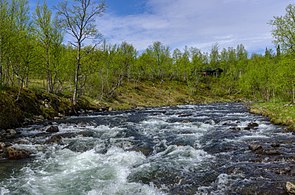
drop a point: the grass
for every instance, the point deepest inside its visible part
(281, 113)
(130, 95)
(162, 93)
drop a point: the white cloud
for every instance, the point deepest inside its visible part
(196, 23)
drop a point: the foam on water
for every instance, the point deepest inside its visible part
(181, 150)
(87, 173)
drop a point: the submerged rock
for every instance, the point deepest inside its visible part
(275, 145)
(185, 114)
(271, 152)
(52, 129)
(55, 139)
(290, 187)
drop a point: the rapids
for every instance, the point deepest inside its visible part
(189, 149)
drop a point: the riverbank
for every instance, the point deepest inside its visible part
(29, 106)
(163, 93)
(37, 105)
(280, 113)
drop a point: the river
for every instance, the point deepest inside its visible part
(189, 149)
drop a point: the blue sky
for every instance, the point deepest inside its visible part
(197, 23)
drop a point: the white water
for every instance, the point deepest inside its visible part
(182, 150)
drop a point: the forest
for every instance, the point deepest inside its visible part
(35, 54)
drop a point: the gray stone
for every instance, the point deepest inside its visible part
(10, 133)
(255, 147)
(290, 187)
(13, 153)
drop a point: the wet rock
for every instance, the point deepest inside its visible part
(185, 121)
(160, 147)
(80, 146)
(2, 147)
(52, 129)
(235, 128)
(22, 141)
(104, 109)
(10, 133)
(283, 171)
(13, 153)
(2, 131)
(255, 147)
(290, 187)
(271, 152)
(275, 145)
(144, 150)
(86, 133)
(185, 115)
(39, 118)
(55, 139)
(251, 126)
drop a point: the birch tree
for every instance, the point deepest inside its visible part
(78, 19)
(49, 39)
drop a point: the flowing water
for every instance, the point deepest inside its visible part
(190, 149)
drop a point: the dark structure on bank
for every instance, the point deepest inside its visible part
(211, 72)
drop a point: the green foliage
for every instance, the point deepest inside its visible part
(284, 29)
(278, 112)
(32, 56)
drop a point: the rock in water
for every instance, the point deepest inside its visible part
(2, 146)
(13, 153)
(52, 129)
(290, 188)
(55, 139)
(251, 126)
(10, 133)
(255, 147)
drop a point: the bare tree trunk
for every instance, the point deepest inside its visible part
(76, 79)
(293, 94)
(1, 69)
(1, 74)
(48, 74)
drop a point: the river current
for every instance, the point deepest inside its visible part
(189, 149)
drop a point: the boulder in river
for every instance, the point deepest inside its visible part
(2, 147)
(251, 126)
(235, 128)
(290, 187)
(8, 134)
(52, 129)
(13, 153)
(55, 139)
(255, 147)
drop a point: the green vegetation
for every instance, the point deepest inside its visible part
(34, 58)
(281, 113)
(164, 93)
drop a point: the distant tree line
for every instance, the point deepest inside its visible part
(33, 55)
